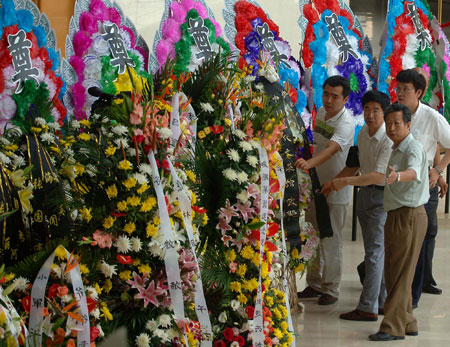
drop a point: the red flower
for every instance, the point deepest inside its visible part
(216, 129)
(138, 138)
(228, 334)
(124, 259)
(219, 344)
(166, 166)
(169, 208)
(250, 310)
(53, 290)
(94, 333)
(26, 303)
(199, 209)
(118, 214)
(239, 339)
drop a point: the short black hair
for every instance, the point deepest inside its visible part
(336, 81)
(412, 76)
(396, 107)
(376, 96)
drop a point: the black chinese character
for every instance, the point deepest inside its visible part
(201, 308)
(268, 42)
(337, 31)
(117, 47)
(175, 285)
(37, 302)
(19, 47)
(168, 244)
(200, 35)
(422, 35)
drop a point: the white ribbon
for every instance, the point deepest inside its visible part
(9, 310)
(175, 122)
(170, 251)
(282, 179)
(258, 334)
(200, 303)
(37, 303)
(230, 110)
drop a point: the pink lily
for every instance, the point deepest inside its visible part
(150, 294)
(227, 212)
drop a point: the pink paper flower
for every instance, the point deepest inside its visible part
(188, 4)
(162, 51)
(178, 11)
(202, 12)
(81, 43)
(79, 97)
(171, 30)
(99, 9)
(78, 65)
(131, 34)
(114, 15)
(217, 26)
(88, 23)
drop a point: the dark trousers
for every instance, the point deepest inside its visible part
(423, 275)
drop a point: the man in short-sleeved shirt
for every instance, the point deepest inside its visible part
(333, 136)
(405, 194)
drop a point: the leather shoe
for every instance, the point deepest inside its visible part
(327, 299)
(414, 306)
(382, 336)
(430, 289)
(381, 311)
(412, 333)
(308, 292)
(359, 315)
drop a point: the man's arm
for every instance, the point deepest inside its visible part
(328, 187)
(331, 149)
(405, 176)
(434, 174)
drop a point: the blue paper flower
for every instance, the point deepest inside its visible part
(25, 20)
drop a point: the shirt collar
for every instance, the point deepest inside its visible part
(337, 116)
(404, 144)
(419, 107)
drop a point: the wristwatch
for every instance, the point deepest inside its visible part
(440, 172)
(398, 176)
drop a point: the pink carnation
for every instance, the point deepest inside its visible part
(201, 9)
(171, 30)
(78, 65)
(114, 15)
(81, 43)
(162, 51)
(103, 239)
(217, 26)
(99, 10)
(88, 23)
(178, 12)
(188, 4)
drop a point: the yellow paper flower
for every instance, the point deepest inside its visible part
(2, 318)
(110, 151)
(242, 269)
(242, 298)
(84, 137)
(145, 269)
(134, 200)
(247, 252)
(86, 214)
(125, 275)
(125, 165)
(129, 228)
(129, 183)
(142, 188)
(108, 222)
(84, 269)
(235, 286)
(151, 230)
(122, 205)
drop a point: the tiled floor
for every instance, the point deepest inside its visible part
(320, 326)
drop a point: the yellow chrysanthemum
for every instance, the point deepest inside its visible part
(235, 286)
(79, 169)
(142, 188)
(242, 269)
(9, 277)
(84, 269)
(242, 298)
(108, 222)
(134, 200)
(105, 312)
(110, 151)
(205, 219)
(156, 220)
(125, 275)
(145, 269)
(276, 312)
(84, 137)
(98, 289)
(300, 268)
(247, 252)
(231, 256)
(264, 270)
(125, 165)
(148, 204)
(2, 318)
(122, 205)
(137, 262)
(107, 286)
(268, 300)
(151, 230)
(129, 183)
(269, 256)
(111, 191)
(284, 325)
(256, 259)
(85, 122)
(129, 228)
(86, 214)
(277, 332)
(60, 252)
(190, 175)
(36, 130)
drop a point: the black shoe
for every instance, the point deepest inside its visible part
(382, 336)
(414, 306)
(381, 311)
(412, 333)
(327, 299)
(308, 292)
(430, 289)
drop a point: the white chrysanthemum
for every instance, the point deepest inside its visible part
(67, 298)
(233, 155)
(239, 133)
(75, 124)
(173, 333)
(206, 107)
(92, 292)
(4, 141)
(40, 121)
(145, 169)
(90, 170)
(242, 177)
(155, 249)
(95, 313)
(243, 196)
(230, 174)
(252, 161)
(4, 159)
(54, 126)
(246, 147)
(235, 304)
(164, 321)
(20, 284)
(136, 244)
(223, 317)
(57, 270)
(151, 325)
(122, 141)
(107, 270)
(120, 130)
(123, 244)
(162, 334)
(165, 133)
(140, 178)
(249, 78)
(254, 143)
(143, 340)
(131, 152)
(19, 161)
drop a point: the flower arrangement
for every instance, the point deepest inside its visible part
(179, 44)
(40, 95)
(92, 57)
(409, 51)
(445, 74)
(321, 53)
(299, 260)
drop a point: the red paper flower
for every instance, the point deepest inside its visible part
(124, 259)
(216, 129)
(26, 303)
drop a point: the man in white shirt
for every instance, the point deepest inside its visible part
(428, 127)
(333, 136)
(374, 150)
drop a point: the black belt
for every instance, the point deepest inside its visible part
(375, 186)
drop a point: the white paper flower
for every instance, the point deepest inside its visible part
(140, 178)
(143, 340)
(120, 130)
(151, 325)
(223, 317)
(145, 169)
(164, 321)
(123, 244)
(136, 244)
(20, 284)
(242, 177)
(107, 270)
(239, 133)
(165, 133)
(246, 147)
(230, 174)
(252, 161)
(233, 155)
(206, 107)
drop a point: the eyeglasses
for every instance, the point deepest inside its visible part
(403, 90)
